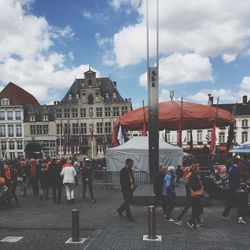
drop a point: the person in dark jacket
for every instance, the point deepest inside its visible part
(194, 184)
(56, 180)
(34, 176)
(127, 186)
(178, 173)
(87, 178)
(158, 186)
(234, 193)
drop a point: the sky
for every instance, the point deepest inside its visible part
(204, 47)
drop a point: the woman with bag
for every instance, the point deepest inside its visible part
(197, 192)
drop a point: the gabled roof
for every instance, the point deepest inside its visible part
(236, 109)
(17, 95)
(106, 87)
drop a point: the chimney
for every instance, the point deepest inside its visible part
(210, 100)
(244, 99)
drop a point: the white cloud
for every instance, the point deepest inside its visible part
(103, 42)
(26, 54)
(116, 4)
(87, 14)
(180, 69)
(245, 83)
(208, 28)
(227, 58)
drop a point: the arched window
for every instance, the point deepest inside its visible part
(5, 102)
(90, 99)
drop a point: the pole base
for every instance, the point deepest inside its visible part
(81, 241)
(146, 238)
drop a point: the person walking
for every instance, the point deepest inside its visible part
(68, 172)
(127, 186)
(196, 191)
(44, 181)
(168, 192)
(87, 178)
(56, 180)
(158, 186)
(34, 176)
(234, 193)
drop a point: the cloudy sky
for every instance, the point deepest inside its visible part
(204, 46)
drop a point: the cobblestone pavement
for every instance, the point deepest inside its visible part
(47, 226)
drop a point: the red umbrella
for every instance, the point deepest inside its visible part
(194, 116)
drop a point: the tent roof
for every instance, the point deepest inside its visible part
(193, 116)
(141, 143)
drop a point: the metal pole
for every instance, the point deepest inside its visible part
(75, 225)
(151, 222)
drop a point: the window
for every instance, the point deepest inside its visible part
(58, 113)
(167, 136)
(74, 112)
(116, 111)
(90, 82)
(12, 155)
(188, 136)
(107, 111)
(98, 112)
(11, 145)
(59, 129)
(32, 129)
(2, 115)
(2, 131)
(5, 102)
(107, 127)
(244, 123)
(19, 145)
(244, 137)
(39, 129)
(234, 138)
(3, 145)
(75, 128)
(83, 112)
(90, 99)
(18, 115)
(45, 117)
(9, 115)
(83, 128)
(99, 127)
(66, 128)
(124, 110)
(209, 134)
(90, 111)
(66, 113)
(199, 135)
(19, 130)
(20, 155)
(32, 117)
(45, 129)
(221, 137)
(10, 130)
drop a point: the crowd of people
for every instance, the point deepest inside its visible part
(236, 194)
(43, 175)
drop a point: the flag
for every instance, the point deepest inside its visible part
(114, 140)
(213, 139)
(120, 136)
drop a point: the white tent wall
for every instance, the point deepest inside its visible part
(137, 150)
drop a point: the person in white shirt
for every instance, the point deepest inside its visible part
(69, 173)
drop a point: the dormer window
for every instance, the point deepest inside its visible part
(107, 95)
(45, 117)
(77, 96)
(90, 82)
(32, 117)
(70, 97)
(5, 102)
(114, 94)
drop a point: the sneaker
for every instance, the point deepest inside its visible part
(242, 221)
(119, 212)
(93, 201)
(192, 226)
(178, 222)
(170, 220)
(164, 216)
(226, 218)
(84, 198)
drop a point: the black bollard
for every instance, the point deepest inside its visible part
(151, 223)
(75, 225)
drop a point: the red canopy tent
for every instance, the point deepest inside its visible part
(172, 113)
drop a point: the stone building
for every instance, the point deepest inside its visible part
(86, 115)
(13, 101)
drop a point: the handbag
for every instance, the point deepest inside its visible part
(197, 193)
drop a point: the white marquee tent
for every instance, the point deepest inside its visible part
(137, 150)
